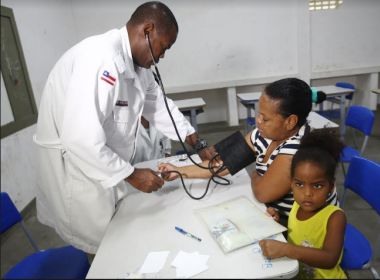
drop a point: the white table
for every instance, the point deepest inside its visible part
(334, 91)
(191, 107)
(145, 223)
(316, 121)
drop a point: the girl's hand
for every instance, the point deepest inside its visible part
(165, 169)
(272, 248)
(273, 213)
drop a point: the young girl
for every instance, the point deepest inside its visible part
(315, 228)
(281, 123)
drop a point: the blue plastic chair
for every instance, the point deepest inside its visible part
(362, 119)
(56, 263)
(364, 180)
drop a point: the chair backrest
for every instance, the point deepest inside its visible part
(363, 178)
(360, 118)
(346, 85)
(9, 214)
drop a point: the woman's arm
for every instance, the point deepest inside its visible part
(275, 183)
(325, 258)
(190, 171)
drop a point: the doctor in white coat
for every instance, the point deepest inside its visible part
(88, 120)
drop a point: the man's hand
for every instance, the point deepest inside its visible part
(207, 153)
(165, 169)
(200, 146)
(145, 180)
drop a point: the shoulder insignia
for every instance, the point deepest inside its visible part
(108, 78)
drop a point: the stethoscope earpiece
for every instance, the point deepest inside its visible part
(150, 49)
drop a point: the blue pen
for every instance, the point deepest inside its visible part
(184, 232)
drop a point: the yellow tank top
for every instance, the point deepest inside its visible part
(312, 233)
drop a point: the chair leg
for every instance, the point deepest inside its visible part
(343, 169)
(374, 273)
(376, 254)
(29, 236)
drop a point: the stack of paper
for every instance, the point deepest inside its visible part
(238, 222)
(189, 264)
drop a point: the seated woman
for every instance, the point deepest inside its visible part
(281, 123)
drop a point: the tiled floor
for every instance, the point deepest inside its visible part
(15, 246)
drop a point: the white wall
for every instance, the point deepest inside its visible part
(346, 38)
(18, 166)
(345, 46)
(246, 43)
(238, 40)
(46, 30)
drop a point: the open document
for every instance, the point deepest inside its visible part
(238, 222)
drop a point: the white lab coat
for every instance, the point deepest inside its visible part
(151, 144)
(88, 120)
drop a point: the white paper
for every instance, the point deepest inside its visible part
(154, 262)
(189, 264)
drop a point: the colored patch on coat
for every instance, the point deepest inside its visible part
(108, 78)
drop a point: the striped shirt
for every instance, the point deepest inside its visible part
(288, 147)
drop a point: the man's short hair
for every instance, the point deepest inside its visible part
(156, 11)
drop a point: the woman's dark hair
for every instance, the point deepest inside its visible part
(295, 97)
(321, 147)
(158, 13)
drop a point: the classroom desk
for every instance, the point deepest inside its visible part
(145, 223)
(250, 101)
(340, 92)
(191, 107)
(316, 121)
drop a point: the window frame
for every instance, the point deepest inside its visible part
(22, 105)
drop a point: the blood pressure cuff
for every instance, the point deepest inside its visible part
(235, 152)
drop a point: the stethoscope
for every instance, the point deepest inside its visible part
(214, 173)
